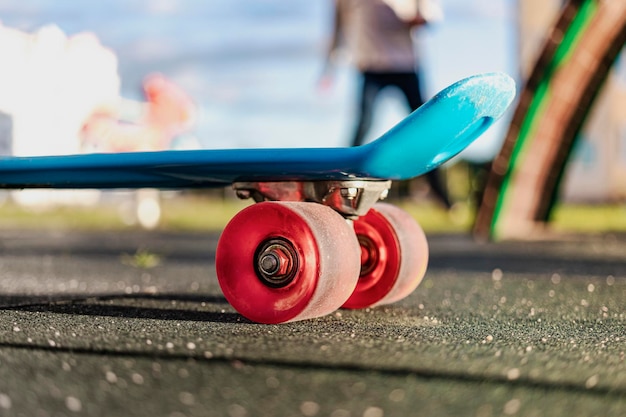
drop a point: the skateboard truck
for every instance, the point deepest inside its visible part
(351, 198)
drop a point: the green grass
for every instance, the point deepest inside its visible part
(201, 213)
(197, 213)
(182, 213)
(142, 259)
(589, 218)
(95, 218)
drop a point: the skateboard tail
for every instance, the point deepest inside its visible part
(441, 128)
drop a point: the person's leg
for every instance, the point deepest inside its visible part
(369, 90)
(409, 84)
(436, 186)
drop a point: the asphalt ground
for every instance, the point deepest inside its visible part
(134, 324)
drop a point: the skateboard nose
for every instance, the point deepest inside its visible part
(459, 143)
(441, 128)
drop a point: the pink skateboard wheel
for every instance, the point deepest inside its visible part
(286, 261)
(394, 256)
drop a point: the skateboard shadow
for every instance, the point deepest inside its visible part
(179, 307)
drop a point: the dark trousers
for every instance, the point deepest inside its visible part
(409, 84)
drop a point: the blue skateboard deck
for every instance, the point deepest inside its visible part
(428, 137)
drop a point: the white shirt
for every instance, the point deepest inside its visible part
(378, 40)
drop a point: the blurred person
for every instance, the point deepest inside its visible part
(379, 37)
(167, 115)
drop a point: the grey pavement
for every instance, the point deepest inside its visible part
(134, 324)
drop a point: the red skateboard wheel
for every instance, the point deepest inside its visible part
(394, 256)
(287, 261)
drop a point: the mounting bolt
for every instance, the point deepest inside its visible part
(276, 263)
(350, 193)
(269, 264)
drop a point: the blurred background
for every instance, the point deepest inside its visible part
(247, 72)
(251, 67)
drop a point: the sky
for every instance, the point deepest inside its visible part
(252, 66)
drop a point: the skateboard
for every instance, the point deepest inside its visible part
(318, 238)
